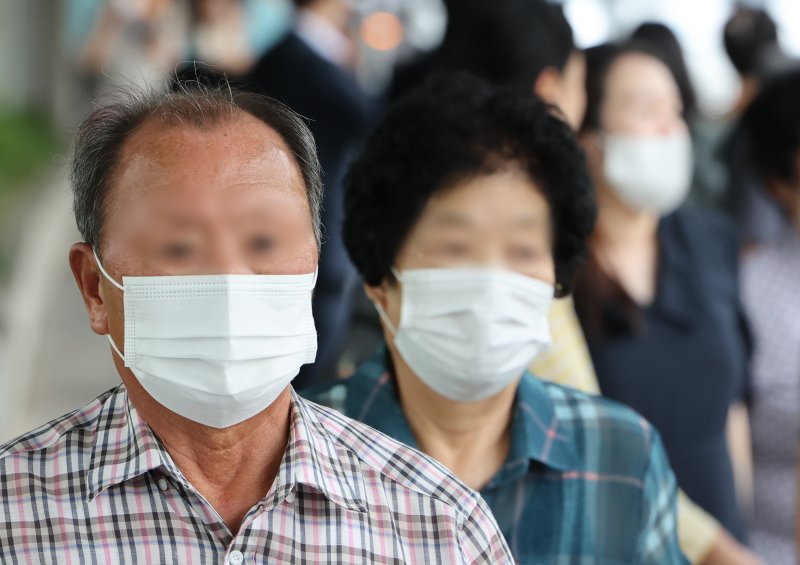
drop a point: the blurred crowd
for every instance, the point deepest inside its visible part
(686, 306)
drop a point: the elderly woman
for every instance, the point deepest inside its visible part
(466, 213)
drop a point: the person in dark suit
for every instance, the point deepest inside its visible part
(310, 71)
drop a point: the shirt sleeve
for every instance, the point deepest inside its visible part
(658, 541)
(480, 539)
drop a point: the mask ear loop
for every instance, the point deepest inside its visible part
(119, 286)
(105, 274)
(382, 313)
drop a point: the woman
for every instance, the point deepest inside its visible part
(466, 213)
(659, 300)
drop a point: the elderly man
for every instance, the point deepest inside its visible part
(200, 215)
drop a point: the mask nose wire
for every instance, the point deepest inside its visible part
(105, 274)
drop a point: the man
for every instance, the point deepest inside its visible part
(200, 215)
(310, 71)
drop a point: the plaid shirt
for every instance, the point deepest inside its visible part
(97, 486)
(586, 480)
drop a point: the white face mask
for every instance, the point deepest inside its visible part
(217, 349)
(469, 333)
(651, 173)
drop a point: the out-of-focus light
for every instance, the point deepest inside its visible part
(382, 31)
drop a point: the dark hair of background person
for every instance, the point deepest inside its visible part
(747, 34)
(665, 44)
(507, 42)
(454, 127)
(772, 124)
(102, 135)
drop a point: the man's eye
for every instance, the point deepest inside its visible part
(261, 244)
(178, 251)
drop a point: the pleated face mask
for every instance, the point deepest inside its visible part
(468, 333)
(217, 349)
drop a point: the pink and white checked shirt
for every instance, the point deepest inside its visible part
(97, 486)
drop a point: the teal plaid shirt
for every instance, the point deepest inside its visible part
(586, 480)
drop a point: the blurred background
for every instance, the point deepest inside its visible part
(59, 58)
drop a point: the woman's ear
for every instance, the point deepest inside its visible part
(377, 294)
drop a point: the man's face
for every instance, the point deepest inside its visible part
(226, 199)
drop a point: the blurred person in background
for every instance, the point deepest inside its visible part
(771, 293)
(466, 212)
(311, 70)
(231, 35)
(658, 299)
(707, 171)
(751, 42)
(199, 211)
(138, 41)
(518, 43)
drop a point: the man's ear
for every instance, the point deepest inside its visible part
(87, 275)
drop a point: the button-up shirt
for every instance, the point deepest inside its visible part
(97, 486)
(586, 480)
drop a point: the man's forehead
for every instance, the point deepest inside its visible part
(163, 138)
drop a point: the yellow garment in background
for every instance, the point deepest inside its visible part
(568, 363)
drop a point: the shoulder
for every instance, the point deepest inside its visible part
(709, 235)
(701, 222)
(63, 431)
(607, 436)
(69, 438)
(404, 467)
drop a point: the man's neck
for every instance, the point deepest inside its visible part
(233, 468)
(471, 439)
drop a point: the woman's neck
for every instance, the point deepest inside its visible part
(471, 439)
(625, 245)
(619, 225)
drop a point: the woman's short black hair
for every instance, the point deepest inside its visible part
(456, 126)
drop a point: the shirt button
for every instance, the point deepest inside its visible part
(290, 498)
(163, 484)
(235, 557)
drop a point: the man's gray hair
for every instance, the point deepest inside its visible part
(103, 133)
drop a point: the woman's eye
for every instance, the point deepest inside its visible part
(177, 251)
(261, 244)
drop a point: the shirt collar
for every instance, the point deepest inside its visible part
(312, 459)
(125, 447)
(536, 435)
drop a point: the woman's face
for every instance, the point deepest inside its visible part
(641, 98)
(500, 220)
